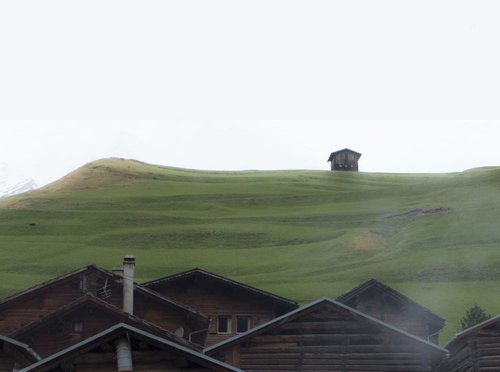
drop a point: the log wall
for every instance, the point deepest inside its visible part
(329, 342)
(479, 352)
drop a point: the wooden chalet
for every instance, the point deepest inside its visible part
(15, 355)
(328, 336)
(21, 309)
(233, 307)
(79, 320)
(344, 160)
(476, 348)
(149, 352)
(385, 303)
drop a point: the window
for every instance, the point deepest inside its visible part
(224, 324)
(78, 326)
(242, 323)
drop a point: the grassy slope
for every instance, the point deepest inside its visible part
(301, 234)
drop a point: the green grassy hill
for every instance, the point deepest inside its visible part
(301, 234)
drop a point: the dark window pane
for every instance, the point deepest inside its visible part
(242, 324)
(223, 324)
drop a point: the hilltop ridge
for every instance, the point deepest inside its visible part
(299, 233)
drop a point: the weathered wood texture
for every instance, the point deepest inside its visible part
(480, 351)
(344, 160)
(7, 362)
(18, 312)
(214, 298)
(325, 340)
(149, 353)
(384, 303)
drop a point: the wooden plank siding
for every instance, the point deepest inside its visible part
(20, 310)
(475, 349)
(213, 296)
(380, 301)
(327, 336)
(149, 353)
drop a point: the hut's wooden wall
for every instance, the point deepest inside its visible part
(326, 341)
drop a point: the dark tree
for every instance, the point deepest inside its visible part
(473, 316)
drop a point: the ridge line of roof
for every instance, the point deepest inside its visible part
(263, 327)
(131, 329)
(353, 291)
(218, 277)
(469, 330)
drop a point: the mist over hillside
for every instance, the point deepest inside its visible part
(302, 234)
(12, 185)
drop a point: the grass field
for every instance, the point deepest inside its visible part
(301, 234)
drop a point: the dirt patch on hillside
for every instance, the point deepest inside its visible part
(420, 212)
(366, 240)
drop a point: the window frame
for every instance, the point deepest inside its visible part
(249, 322)
(228, 323)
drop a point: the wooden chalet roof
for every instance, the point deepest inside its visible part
(371, 283)
(463, 335)
(196, 272)
(300, 311)
(119, 330)
(343, 150)
(137, 289)
(27, 353)
(51, 282)
(121, 317)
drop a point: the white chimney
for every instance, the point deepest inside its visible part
(128, 283)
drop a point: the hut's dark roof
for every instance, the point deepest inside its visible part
(371, 283)
(208, 276)
(472, 330)
(117, 331)
(118, 314)
(298, 312)
(343, 150)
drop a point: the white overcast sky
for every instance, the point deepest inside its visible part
(412, 85)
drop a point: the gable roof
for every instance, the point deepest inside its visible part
(219, 279)
(300, 311)
(93, 268)
(121, 317)
(21, 348)
(52, 282)
(117, 331)
(374, 283)
(343, 150)
(471, 330)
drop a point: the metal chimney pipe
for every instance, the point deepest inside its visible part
(123, 355)
(128, 283)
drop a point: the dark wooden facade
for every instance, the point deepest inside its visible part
(475, 349)
(149, 353)
(222, 299)
(344, 160)
(328, 336)
(23, 308)
(79, 320)
(15, 355)
(383, 302)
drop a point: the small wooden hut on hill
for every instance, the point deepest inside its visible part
(344, 160)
